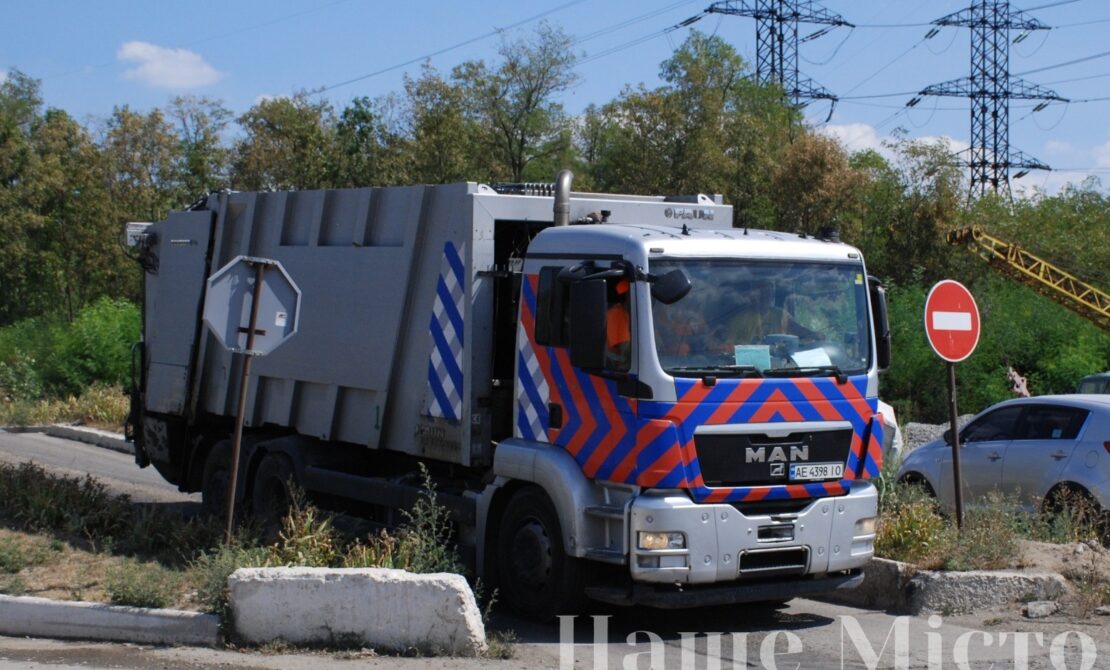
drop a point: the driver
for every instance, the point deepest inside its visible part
(757, 316)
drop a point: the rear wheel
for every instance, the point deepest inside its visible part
(215, 480)
(537, 578)
(272, 494)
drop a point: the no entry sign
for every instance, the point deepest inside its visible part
(951, 320)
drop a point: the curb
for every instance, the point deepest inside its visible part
(41, 617)
(899, 587)
(97, 438)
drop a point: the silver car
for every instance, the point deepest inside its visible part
(1031, 448)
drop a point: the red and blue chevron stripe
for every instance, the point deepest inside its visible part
(651, 443)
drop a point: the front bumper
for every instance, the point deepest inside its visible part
(673, 597)
(725, 544)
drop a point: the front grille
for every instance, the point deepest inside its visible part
(767, 562)
(722, 456)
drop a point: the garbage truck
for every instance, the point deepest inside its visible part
(618, 397)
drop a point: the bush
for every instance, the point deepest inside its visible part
(210, 570)
(989, 538)
(49, 356)
(142, 585)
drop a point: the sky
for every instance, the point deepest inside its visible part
(91, 57)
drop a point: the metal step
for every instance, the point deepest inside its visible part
(614, 556)
(606, 511)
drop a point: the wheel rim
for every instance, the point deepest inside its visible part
(530, 562)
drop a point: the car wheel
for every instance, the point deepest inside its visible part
(914, 479)
(537, 579)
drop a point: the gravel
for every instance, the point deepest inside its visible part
(917, 434)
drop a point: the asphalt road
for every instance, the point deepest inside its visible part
(805, 634)
(116, 470)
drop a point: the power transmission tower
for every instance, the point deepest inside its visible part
(776, 39)
(990, 88)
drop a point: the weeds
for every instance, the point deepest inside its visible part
(12, 585)
(142, 585)
(18, 553)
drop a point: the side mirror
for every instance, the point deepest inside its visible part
(881, 322)
(948, 436)
(671, 287)
(587, 324)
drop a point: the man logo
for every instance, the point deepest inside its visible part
(778, 469)
(798, 452)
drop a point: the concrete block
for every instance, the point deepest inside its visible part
(939, 592)
(375, 607)
(1039, 609)
(883, 587)
(40, 617)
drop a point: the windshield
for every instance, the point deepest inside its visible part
(755, 318)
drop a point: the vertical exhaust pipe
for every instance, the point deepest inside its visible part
(562, 197)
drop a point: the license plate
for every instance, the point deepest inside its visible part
(805, 472)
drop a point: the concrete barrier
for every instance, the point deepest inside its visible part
(93, 436)
(375, 607)
(40, 617)
(883, 587)
(942, 592)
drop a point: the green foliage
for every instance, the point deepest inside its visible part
(911, 528)
(136, 584)
(47, 355)
(210, 570)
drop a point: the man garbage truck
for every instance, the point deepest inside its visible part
(669, 460)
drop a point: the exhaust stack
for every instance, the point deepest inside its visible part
(562, 197)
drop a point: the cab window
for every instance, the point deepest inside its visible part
(1051, 423)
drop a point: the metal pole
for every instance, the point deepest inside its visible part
(248, 356)
(957, 478)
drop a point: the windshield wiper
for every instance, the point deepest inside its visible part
(730, 370)
(808, 371)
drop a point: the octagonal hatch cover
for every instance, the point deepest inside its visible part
(228, 301)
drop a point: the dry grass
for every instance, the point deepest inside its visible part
(71, 572)
(103, 407)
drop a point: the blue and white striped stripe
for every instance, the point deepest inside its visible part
(445, 376)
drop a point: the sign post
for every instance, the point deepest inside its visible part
(272, 301)
(952, 326)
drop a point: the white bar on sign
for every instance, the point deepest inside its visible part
(951, 320)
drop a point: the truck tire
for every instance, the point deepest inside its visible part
(272, 495)
(215, 479)
(536, 577)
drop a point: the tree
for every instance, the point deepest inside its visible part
(200, 124)
(289, 144)
(814, 187)
(369, 151)
(144, 163)
(442, 138)
(514, 103)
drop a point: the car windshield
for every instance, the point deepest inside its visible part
(755, 318)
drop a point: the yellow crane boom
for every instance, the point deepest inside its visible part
(1043, 276)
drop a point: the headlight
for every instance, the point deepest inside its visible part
(866, 526)
(662, 540)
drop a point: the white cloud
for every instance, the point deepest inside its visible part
(855, 136)
(954, 145)
(3, 75)
(1058, 147)
(1101, 155)
(163, 67)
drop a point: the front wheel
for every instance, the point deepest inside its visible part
(215, 480)
(537, 578)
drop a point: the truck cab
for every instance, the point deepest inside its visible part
(727, 450)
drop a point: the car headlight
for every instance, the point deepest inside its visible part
(662, 540)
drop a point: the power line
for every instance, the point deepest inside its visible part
(444, 50)
(643, 38)
(1104, 54)
(1051, 4)
(630, 22)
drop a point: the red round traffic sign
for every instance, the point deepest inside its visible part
(951, 320)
